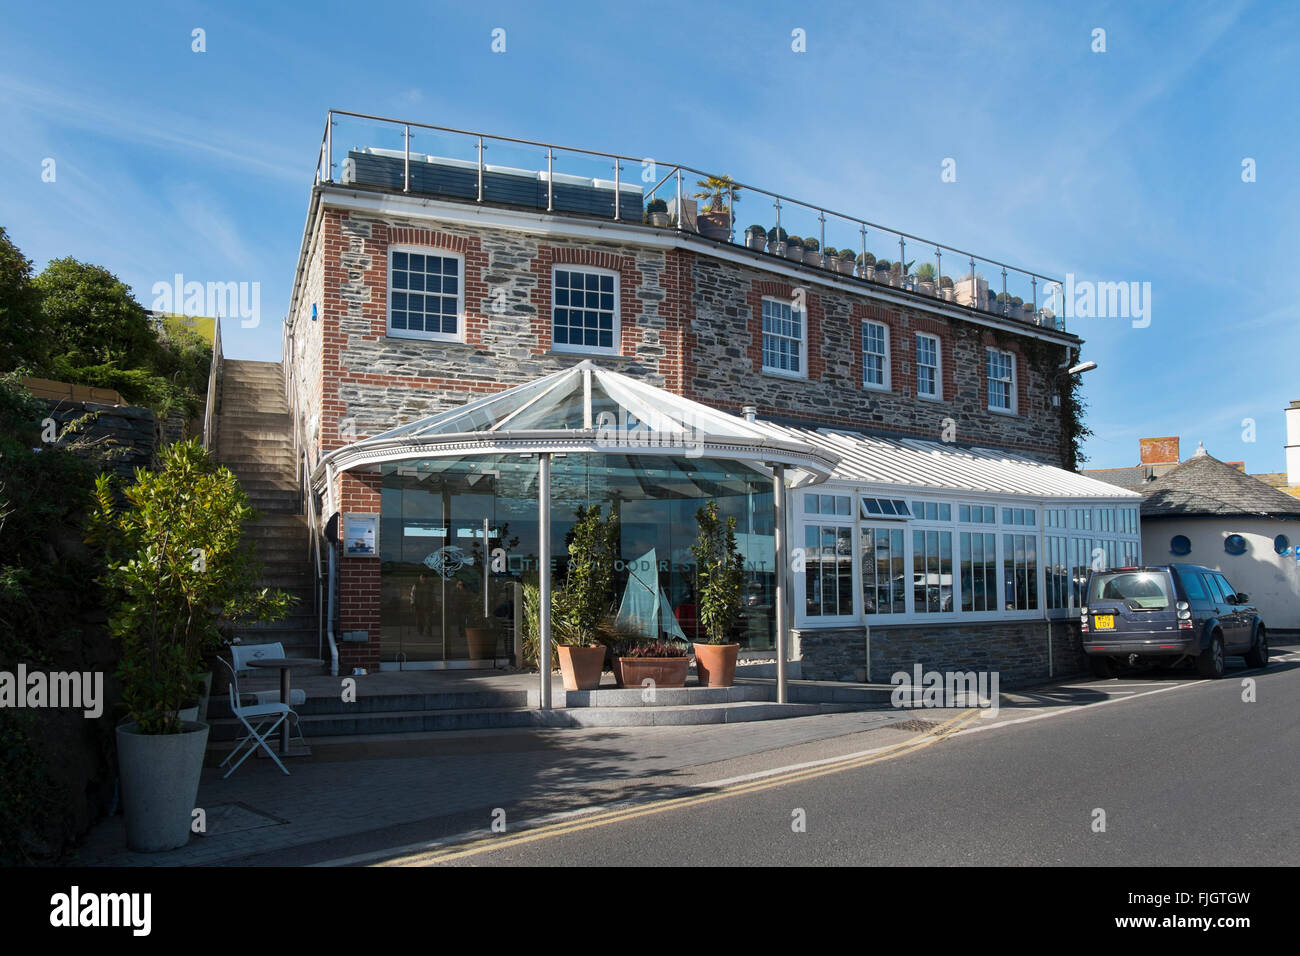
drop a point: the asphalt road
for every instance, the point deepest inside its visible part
(1191, 775)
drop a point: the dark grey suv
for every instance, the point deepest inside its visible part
(1174, 612)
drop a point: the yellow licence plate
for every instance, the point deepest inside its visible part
(1104, 622)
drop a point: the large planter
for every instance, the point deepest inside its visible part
(756, 241)
(159, 779)
(925, 288)
(812, 257)
(482, 643)
(715, 225)
(794, 252)
(776, 247)
(881, 276)
(659, 219)
(580, 667)
(846, 266)
(664, 671)
(715, 664)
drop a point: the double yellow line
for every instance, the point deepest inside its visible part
(489, 844)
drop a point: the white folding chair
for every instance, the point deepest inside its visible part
(262, 713)
(241, 654)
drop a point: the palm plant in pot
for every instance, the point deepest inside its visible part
(925, 278)
(719, 195)
(175, 573)
(720, 569)
(580, 609)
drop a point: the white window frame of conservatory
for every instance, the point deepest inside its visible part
(389, 331)
(950, 496)
(567, 349)
(798, 536)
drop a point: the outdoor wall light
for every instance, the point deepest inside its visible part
(1082, 367)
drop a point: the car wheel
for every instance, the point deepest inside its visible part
(1100, 667)
(1210, 663)
(1257, 656)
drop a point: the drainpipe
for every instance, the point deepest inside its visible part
(329, 615)
(782, 563)
(544, 577)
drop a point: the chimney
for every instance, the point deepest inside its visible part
(1200, 450)
(750, 412)
(1293, 444)
(1158, 451)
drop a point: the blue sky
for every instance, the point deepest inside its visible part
(1116, 166)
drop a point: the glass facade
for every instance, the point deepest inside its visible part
(459, 536)
(937, 558)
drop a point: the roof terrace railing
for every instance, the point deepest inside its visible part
(479, 167)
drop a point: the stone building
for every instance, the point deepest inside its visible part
(920, 423)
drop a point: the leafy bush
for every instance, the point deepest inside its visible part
(720, 571)
(811, 245)
(869, 260)
(883, 265)
(658, 649)
(794, 241)
(176, 571)
(945, 282)
(925, 272)
(832, 252)
(656, 205)
(756, 230)
(848, 255)
(777, 235)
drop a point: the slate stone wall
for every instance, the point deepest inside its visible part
(1017, 650)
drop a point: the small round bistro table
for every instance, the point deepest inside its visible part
(286, 666)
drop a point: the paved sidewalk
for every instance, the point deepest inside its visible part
(384, 782)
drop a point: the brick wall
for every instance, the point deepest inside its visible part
(358, 594)
(1017, 650)
(689, 322)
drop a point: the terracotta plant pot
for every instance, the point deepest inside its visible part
(716, 664)
(482, 643)
(664, 671)
(581, 666)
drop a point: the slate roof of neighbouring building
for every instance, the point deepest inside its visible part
(1137, 478)
(1205, 486)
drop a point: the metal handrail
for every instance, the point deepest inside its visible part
(680, 168)
(214, 384)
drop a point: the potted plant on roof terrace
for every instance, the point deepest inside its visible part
(946, 288)
(583, 605)
(756, 237)
(812, 252)
(867, 266)
(776, 239)
(830, 258)
(720, 571)
(794, 248)
(847, 259)
(883, 271)
(719, 195)
(925, 279)
(657, 210)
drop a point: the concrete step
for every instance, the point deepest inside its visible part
(477, 718)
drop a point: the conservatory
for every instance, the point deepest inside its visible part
(839, 530)
(477, 501)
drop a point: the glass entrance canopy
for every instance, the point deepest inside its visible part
(585, 409)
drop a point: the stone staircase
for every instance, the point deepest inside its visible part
(254, 439)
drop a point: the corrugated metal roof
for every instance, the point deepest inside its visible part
(928, 465)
